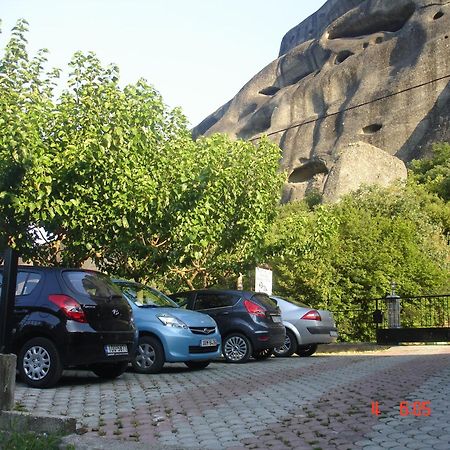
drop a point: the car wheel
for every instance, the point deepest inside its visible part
(306, 350)
(289, 347)
(237, 348)
(149, 356)
(39, 363)
(263, 354)
(109, 371)
(197, 364)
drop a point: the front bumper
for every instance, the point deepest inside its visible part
(182, 345)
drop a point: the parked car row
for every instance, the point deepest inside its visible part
(74, 318)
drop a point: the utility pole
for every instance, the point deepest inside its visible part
(7, 298)
(8, 295)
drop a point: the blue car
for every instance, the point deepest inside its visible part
(168, 333)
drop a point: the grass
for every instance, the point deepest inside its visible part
(30, 441)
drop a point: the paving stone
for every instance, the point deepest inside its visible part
(324, 400)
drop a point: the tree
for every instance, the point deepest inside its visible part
(299, 249)
(228, 204)
(113, 175)
(25, 107)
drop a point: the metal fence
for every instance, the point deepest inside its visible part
(424, 318)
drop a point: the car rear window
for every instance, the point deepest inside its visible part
(299, 303)
(92, 284)
(215, 300)
(265, 301)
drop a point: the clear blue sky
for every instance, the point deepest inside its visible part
(196, 53)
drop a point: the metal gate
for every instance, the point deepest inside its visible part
(424, 318)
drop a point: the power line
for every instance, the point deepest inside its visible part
(360, 105)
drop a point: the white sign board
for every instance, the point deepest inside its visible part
(263, 280)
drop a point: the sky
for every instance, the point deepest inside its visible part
(196, 53)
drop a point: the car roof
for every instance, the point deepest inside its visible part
(46, 268)
(225, 291)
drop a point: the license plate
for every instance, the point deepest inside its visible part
(208, 343)
(277, 319)
(333, 333)
(112, 350)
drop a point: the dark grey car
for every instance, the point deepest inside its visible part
(249, 322)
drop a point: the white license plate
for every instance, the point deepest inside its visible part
(276, 319)
(111, 350)
(208, 343)
(333, 333)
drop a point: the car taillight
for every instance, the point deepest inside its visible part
(311, 315)
(254, 309)
(69, 306)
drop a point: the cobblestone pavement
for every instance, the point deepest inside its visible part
(322, 402)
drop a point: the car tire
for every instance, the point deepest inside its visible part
(149, 355)
(289, 347)
(236, 348)
(263, 354)
(109, 371)
(196, 365)
(39, 363)
(306, 350)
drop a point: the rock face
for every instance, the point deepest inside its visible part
(371, 72)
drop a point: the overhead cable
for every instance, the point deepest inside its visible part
(349, 108)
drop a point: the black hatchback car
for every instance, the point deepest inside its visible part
(249, 322)
(69, 318)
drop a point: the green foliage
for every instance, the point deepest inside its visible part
(223, 215)
(340, 256)
(113, 175)
(299, 244)
(25, 108)
(434, 173)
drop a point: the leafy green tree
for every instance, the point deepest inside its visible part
(113, 175)
(25, 108)
(300, 244)
(225, 211)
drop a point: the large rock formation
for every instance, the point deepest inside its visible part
(357, 71)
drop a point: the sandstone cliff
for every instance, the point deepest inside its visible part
(359, 78)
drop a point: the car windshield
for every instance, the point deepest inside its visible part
(145, 296)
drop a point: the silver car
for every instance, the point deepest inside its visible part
(305, 328)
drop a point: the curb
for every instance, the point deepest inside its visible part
(344, 347)
(14, 420)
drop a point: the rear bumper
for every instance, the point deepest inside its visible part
(86, 348)
(271, 338)
(319, 335)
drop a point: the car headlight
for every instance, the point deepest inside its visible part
(172, 321)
